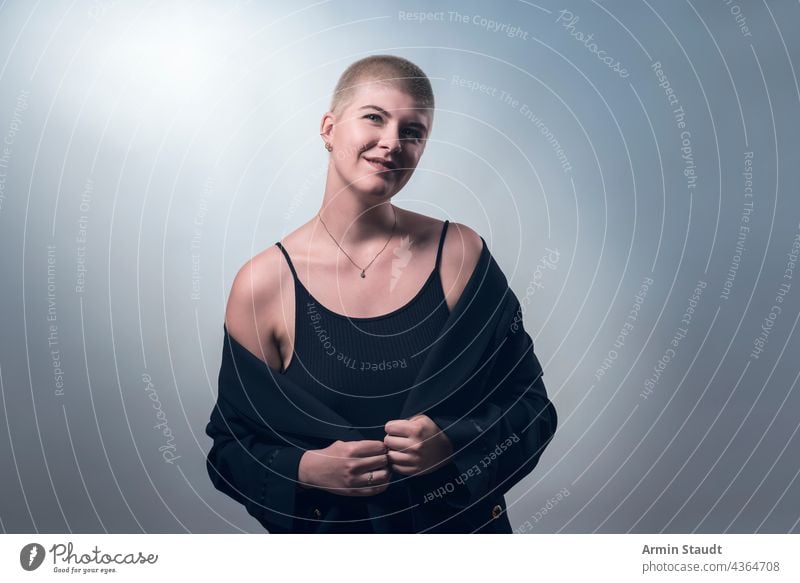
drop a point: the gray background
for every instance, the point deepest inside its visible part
(179, 139)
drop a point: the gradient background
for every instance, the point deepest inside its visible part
(179, 139)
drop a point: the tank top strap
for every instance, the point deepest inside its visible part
(288, 260)
(438, 251)
(441, 244)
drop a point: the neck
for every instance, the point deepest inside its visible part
(353, 222)
(354, 217)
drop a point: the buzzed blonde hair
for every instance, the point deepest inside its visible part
(384, 69)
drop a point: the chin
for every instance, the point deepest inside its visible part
(374, 186)
(377, 193)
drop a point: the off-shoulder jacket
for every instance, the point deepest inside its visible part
(481, 383)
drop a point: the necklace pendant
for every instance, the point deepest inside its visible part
(363, 274)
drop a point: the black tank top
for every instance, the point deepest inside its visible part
(363, 368)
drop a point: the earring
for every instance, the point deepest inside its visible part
(327, 145)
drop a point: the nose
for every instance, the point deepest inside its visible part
(391, 141)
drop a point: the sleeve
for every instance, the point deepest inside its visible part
(501, 440)
(255, 472)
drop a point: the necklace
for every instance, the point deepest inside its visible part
(363, 269)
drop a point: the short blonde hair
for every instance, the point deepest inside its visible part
(386, 69)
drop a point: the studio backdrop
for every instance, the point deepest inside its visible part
(632, 166)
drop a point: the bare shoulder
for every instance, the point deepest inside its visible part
(247, 316)
(460, 255)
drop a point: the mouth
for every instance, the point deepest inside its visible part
(381, 164)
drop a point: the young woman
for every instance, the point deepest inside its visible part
(346, 316)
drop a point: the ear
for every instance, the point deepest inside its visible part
(326, 126)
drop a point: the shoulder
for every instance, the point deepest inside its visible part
(461, 242)
(460, 255)
(254, 289)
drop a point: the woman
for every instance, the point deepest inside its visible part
(352, 319)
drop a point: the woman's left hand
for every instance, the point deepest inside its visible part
(416, 446)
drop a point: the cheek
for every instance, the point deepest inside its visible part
(356, 139)
(411, 164)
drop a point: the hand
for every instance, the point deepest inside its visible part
(416, 446)
(344, 467)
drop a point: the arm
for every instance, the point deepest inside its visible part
(257, 473)
(246, 461)
(500, 441)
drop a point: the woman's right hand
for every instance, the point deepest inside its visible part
(344, 466)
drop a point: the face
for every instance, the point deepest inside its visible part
(381, 123)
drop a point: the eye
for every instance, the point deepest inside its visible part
(414, 133)
(371, 115)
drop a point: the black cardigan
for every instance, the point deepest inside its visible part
(481, 383)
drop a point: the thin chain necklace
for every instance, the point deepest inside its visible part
(363, 269)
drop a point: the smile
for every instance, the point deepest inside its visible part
(383, 168)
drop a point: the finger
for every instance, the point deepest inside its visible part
(398, 443)
(399, 427)
(401, 459)
(378, 477)
(366, 465)
(368, 447)
(405, 470)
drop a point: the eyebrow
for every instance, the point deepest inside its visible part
(387, 114)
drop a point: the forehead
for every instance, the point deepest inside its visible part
(389, 98)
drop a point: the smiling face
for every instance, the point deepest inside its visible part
(377, 139)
